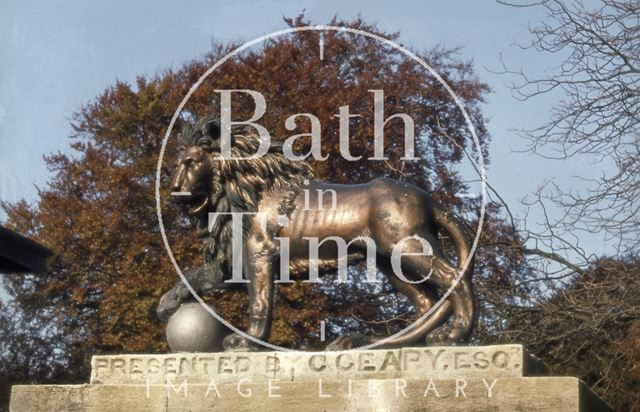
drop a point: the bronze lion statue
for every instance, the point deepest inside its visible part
(281, 189)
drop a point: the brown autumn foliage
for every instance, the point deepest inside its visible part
(590, 329)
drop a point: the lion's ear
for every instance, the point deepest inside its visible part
(186, 127)
(212, 128)
(184, 131)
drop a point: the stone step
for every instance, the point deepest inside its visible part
(534, 394)
(447, 362)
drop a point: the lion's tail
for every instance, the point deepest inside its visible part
(454, 228)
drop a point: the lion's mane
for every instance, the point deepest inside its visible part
(239, 185)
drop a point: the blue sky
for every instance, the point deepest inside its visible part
(56, 56)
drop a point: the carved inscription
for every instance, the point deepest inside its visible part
(506, 360)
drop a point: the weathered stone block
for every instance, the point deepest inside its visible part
(534, 394)
(491, 378)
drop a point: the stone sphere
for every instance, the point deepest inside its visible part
(192, 329)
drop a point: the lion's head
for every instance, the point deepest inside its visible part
(194, 182)
(205, 182)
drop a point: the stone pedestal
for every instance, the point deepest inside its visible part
(490, 378)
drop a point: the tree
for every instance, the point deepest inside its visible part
(591, 329)
(596, 118)
(98, 211)
(582, 321)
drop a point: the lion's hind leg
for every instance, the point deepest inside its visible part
(461, 296)
(423, 300)
(438, 277)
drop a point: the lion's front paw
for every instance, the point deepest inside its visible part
(236, 342)
(350, 341)
(169, 303)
